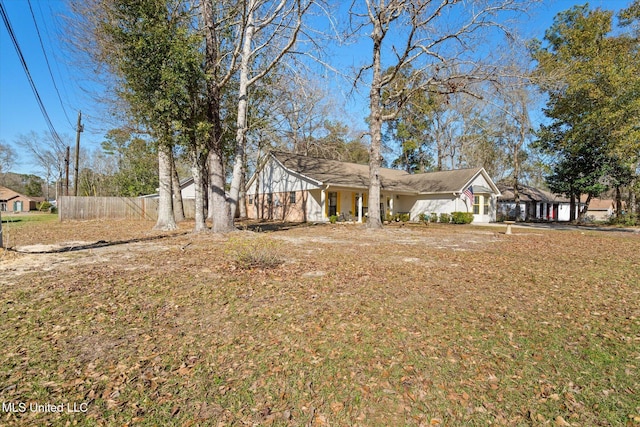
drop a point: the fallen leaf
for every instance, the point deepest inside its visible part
(337, 407)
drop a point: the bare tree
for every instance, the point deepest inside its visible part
(271, 30)
(7, 157)
(517, 129)
(437, 39)
(48, 153)
(178, 207)
(220, 64)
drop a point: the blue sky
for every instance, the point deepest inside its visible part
(19, 110)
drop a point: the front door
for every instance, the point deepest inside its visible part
(333, 203)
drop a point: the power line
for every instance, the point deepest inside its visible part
(56, 61)
(16, 45)
(46, 58)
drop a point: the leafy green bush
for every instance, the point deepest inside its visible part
(401, 217)
(433, 217)
(628, 220)
(461, 217)
(445, 218)
(333, 219)
(44, 206)
(424, 218)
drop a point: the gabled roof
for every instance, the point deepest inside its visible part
(529, 194)
(451, 181)
(334, 172)
(7, 194)
(337, 173)
(597, 204)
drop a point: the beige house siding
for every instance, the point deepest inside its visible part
(327, 187)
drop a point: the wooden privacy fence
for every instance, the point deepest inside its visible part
(72, 207)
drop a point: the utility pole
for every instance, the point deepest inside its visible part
(66, 172)
(79, 129)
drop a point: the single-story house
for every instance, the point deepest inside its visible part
(535, 204)
(292, 187)
(187, 189)
(600, 209)
(12, 201)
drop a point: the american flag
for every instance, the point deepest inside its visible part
(469, 193)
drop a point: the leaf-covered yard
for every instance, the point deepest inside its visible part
(438, 325)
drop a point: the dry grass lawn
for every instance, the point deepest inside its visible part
(318, 325)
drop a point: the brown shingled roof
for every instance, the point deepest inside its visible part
(528, 194)
(355, 175)
(7, 194)
(440, 182)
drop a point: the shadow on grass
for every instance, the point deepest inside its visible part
(10, 220)
(267, 226)
(98, 244)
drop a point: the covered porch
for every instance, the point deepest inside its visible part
(348, 204)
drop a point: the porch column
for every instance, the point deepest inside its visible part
(359, 207)
(391, 208)
(537, 210)
(323, 201)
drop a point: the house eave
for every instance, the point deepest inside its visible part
(295, 173)
(439, 193)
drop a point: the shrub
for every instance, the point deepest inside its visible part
(250, 253)
(461, 217)
(333, 219)
(434, 217)
(424, 218)
(401, 217)
(445, 218)
(626, 219)
(44, 206)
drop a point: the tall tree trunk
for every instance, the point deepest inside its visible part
(218, 205)
(572, 206)
(241, 122)
(618, 202)
(166, 220)
(585, 208)
(197, 169)
(516, 166)
(633, 207)
(178, 207)
(375, 129)
(221, 212)
(516, 190)
(242, 196)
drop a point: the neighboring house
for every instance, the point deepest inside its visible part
(291, 187)
(11, 201)
(187, 189)
(600, 209)
(535, 204)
